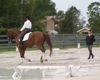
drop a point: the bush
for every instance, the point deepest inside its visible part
(2, 30)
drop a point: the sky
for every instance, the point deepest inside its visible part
(81, 5)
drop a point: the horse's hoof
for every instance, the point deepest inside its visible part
(29, 60)
(41, 61)
(46, 60)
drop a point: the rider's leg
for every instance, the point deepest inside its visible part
(22, 35)
(21, 38)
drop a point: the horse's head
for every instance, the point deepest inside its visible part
(12, 33)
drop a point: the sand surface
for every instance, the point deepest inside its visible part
(62, 57)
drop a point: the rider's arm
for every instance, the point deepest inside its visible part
(27, 24)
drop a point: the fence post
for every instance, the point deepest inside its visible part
(9, 44)
(63, 41)
(17, 49)
(78, 45)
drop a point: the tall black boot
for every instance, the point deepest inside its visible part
(89, 56)
(92, 56)
(20, 42)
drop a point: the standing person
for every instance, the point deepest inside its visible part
(90, 38)
(25, 29)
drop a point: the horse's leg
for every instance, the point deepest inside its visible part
(43, 53)
(22, 52)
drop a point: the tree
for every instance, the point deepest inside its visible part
(13, 12)
(43, 8)
(8, 13)
(60, 16)
(94, 16)
(71, 21)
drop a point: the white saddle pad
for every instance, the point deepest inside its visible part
(26, 36)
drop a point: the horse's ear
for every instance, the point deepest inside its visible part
(6, 30)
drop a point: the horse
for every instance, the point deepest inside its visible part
(35, 38)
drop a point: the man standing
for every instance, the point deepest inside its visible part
(89, 42)
(25, 29)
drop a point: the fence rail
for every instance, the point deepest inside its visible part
(65, 40)
(60, 40)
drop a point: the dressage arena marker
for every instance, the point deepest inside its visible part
(70, 70)
(78, 45)
(20, 69)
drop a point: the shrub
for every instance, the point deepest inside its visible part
(2, 30)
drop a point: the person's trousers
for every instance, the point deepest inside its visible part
(90, 50)
(23, 32)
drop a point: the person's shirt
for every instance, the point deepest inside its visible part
(90, 39)
(27, 24)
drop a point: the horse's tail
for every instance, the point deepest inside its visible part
(48, 41)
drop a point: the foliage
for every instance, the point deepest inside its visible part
(43, 8)
(60, 16)
(13, 12)
(2, 30)
(94, 16)
(8, 13)
(71, 21)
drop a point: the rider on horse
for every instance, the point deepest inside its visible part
(25, 29)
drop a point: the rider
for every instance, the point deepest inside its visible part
(25, 29)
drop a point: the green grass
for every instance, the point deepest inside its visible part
(13, 48)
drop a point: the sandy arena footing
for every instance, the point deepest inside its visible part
(60, 57)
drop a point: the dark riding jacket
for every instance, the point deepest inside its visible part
(90, 39)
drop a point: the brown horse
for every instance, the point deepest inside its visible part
(35, 38)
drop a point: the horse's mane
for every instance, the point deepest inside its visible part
(15, 29)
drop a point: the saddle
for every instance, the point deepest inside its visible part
(26, 36)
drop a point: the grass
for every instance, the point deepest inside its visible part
(13, 48)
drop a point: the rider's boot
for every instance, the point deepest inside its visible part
(20, 43)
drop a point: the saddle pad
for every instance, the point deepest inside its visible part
(26, 36)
